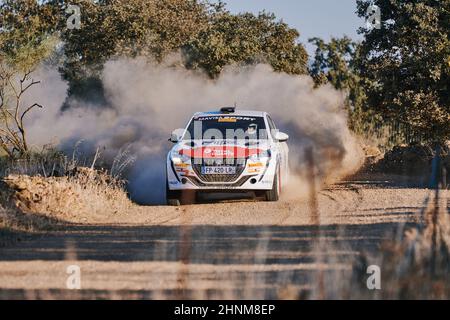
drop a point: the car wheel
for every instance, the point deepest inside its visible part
(274, 193)
(173, 197)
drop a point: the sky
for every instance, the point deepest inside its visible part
(312, 18)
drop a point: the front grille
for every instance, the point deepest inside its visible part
(238, 183)
(226, 178)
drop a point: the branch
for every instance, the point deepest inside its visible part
(5, 148)
(25, 77)
(27, 110)
(5, 132)
(7, 111)
(22, 129)
(19, 123)
(28, 86)
(12, 86)
(9, 130)
(10, 136)
(15, 137)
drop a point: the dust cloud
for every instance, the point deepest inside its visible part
(147, 101)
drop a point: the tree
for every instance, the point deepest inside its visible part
(109, 28)
(26, 23)
(24, 43)
(208, 36)
(334, 63)
(246, 39)
(406, 64)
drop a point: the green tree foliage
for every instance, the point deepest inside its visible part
(406, 64)
(25, 26)
(208, 36)
(334, 63)
(152, 28)
(246, 39)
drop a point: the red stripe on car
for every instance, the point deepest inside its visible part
(220, 152)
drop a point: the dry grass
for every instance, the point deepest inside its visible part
(47, 188)
(72, 198)
(414, 262)
(417, 266)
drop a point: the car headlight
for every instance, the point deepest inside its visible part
(178, 158)
(262, 156)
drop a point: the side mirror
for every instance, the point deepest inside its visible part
(281, 136)
(174, 137)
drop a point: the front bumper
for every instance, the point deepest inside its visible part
(253, 176)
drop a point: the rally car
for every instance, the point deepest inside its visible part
(227, 151)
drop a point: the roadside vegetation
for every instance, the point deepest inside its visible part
(48, 190)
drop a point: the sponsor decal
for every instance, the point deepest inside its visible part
(218, 153)
(227, 119)
(213, 152)
(181, 165)
(221, 118)
(257, 164)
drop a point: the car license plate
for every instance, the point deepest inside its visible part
(218, 170)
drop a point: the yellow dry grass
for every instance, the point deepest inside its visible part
(35, 202)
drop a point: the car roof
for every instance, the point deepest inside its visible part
(243, 113)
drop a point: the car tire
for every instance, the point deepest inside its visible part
(173, 202)
(274, 193)
(173, 197)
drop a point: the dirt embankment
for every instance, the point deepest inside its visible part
(38, 203)
(409, 161)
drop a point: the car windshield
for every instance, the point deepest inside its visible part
(226, 127)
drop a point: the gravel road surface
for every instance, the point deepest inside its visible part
(232, 249)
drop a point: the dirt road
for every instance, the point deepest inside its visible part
(215, 250)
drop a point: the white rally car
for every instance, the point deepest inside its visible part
(227, 151)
